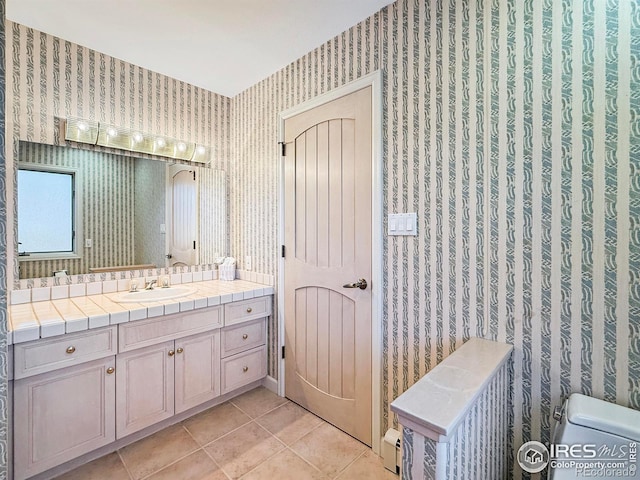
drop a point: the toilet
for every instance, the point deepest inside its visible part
(594, 439)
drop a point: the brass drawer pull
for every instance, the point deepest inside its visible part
(245, 336)
(180, 350)
(172, 353)
(110, 370)
(71, 349)
(245, 369)
(249, 310)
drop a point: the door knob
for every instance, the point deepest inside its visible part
(361, 284)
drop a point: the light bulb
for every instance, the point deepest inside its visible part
(200, 150)
(112, 132)
(181, 147)
(137, 137)
(83, 126)
(160, 142)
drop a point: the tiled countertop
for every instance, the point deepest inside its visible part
(439, 401)
(30, 321)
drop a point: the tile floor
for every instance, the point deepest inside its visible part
(257, 435)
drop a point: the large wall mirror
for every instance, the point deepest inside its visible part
(85, 211)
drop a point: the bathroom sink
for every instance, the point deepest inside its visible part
(155, 295)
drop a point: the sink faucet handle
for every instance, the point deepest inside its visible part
(133, 286)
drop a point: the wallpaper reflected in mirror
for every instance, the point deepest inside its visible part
(121, 211)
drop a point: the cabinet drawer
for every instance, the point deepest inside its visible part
(243, 368)
(244, 336)
(245, 310)
(42, 356)
(143, 333)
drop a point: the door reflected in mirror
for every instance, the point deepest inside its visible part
(125, 211)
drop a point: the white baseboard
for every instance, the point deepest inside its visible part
(271, 384)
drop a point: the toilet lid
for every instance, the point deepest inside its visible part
(604, 416)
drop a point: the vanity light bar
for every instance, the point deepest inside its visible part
(95, 133)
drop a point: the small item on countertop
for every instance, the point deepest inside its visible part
(227, 270)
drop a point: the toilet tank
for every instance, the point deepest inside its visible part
(594, 439)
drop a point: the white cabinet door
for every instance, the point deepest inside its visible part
(145, 387)
(63, 414)
(197, 369)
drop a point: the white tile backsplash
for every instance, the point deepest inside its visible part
(60, 291)
(40, 294)
(123, 285)
(78, 290)
(110, 286)
(20, 296)
(94, 288)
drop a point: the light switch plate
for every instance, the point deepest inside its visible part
(247, 263)
(402, 224)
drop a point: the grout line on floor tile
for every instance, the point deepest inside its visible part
(216, 463)
(271, 434)
(228, 433)
(284, 447)
(170, 464)
(306, 461)
(349, 464)
(287, 401)
(126, 468)
(262, 414)
(216, 439)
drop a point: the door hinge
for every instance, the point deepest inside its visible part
(194, 244)
(194, 175)
(284, 148)
(282, 251)
(282, 351)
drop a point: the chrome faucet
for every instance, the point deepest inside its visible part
(149, 285)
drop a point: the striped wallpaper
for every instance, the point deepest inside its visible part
(123, 205)
(106, 189)
(512, 128)
(150, 188)
(4, 264)
(50, 77)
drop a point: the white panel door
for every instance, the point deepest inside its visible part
(328, 215)
(183, 206)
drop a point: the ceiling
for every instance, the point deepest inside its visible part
(224, 46)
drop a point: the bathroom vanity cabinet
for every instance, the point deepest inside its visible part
(78, 392)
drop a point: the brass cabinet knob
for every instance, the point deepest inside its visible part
(110, 370)
(71, 349)
(245, 369)
(180, 350)
(245, 336)
(249, 310)
(172, 353)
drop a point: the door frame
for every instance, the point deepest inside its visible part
(373, 80)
